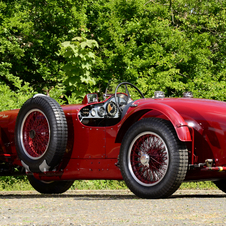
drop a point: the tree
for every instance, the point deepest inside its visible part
(79, 61)
(31, 34)
(173, 46)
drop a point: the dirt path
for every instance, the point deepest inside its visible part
(185, 207)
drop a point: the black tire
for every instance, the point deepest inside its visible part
(221, 184)
(41, 134)
(49, 187)
(152, 160)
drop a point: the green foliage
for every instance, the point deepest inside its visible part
(30, 36)
(79, 62)
(173, 46)
(163, 45)
(19, 183)
(10, 99)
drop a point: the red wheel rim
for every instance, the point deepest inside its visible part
(35, 134)
(148, 159)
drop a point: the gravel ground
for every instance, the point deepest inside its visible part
(185, 207)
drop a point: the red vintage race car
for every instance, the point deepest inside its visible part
(153, 144)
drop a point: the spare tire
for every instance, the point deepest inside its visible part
(41, 134)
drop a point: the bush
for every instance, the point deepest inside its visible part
(173, 46)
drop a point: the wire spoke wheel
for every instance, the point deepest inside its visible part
(148, 159)
(35, 134)
(153, 161)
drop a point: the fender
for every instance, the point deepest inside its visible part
(138, 109)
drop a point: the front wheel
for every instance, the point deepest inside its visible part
(153, 160)
(49, 187)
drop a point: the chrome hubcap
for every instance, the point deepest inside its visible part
(144, 159)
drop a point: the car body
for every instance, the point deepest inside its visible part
(154, 144)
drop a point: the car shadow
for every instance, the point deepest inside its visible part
(197, 196)
(65, 196)
(101, 196)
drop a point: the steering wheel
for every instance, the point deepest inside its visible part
(127, 92)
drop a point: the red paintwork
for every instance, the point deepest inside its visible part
(170, 113)
(92, 151)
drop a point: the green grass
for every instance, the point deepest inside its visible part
(11, 183)
(98, 185)
(198, 185)
(22, 184)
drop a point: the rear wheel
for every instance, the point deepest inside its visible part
(153, 160)
(49, 187)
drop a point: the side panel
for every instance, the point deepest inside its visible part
(89, 142)
(112, 148)
(85, 169)
(7, 145)
(209, 137)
